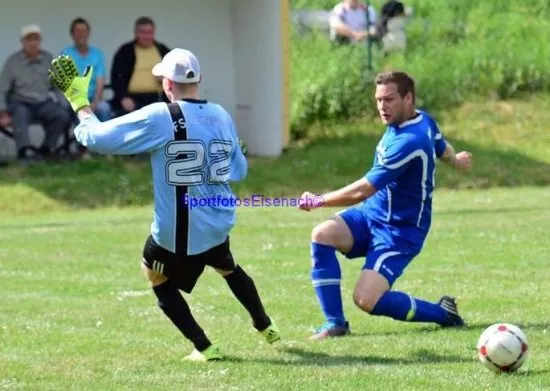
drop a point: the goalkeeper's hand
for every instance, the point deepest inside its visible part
(65, 76)
(243, 146)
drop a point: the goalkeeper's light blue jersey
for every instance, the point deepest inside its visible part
(404, 174)
(196, 157)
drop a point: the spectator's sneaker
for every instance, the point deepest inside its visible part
(28, 156)
(448, 303)
(44, 151)
(86, 156)
(331, 329)
(212, 353)
(271, 333)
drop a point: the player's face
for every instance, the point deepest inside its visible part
(353, 3)
(80, 34)
(145, 35)
(391, 106)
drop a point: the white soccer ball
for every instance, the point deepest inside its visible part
(503, 347)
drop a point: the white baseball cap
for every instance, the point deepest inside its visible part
(30, 29)
(180, 66)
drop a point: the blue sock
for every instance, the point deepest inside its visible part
(402, 306)
(326, 276)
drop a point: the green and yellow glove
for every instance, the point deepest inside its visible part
(65, 76)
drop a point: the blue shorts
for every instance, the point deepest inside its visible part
(385, 258)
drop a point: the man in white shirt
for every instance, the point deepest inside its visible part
(348, 22)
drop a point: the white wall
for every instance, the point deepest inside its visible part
(237, 42)
(202, 26)
(259, 74)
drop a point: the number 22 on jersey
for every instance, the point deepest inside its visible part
(201, 164)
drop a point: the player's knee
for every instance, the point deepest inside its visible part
(333, 232)
(225, 273)
(322, 234)
(152, 276)
(365, 301)
(227, 267)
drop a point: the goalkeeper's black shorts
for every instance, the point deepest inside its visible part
(185, 270)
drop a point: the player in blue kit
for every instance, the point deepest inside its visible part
(195, 152)
(389, 216)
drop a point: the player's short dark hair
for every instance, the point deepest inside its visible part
(79, 21)
(142, 20)
(404, 82)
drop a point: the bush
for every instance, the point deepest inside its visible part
(312, 4)
(456, 49)
(328, 82)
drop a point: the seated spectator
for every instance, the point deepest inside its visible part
(133, 84)
(27, 94)
(391, 28)
(348, 22)
(83, 55)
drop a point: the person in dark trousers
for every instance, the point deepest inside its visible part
(133, 84)
(26, 95)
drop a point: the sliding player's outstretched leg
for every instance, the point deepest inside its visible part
(373, 295)
(326, 275)
(174, 306)
(244, 289)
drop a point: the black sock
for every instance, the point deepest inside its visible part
(25, 152)
(44, 150)
(245, 291)
(174, 306)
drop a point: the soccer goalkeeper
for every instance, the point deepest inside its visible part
(194, 151)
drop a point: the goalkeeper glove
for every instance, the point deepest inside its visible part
(243, 146)
(65, 76)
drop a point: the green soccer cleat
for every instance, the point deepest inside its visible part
(212, 353)
(271, 333)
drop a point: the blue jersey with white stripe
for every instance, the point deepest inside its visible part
(190, 160)
(404, 175)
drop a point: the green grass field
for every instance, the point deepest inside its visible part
(76, 313)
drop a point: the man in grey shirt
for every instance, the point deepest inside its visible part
(26, 94)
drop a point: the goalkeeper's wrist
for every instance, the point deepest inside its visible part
(79, 104)
(244, 148)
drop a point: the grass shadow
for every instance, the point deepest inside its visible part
(311, 358)
(528, 373)
(75, 223)
(325, 164)
(526, 327)
(493, 210)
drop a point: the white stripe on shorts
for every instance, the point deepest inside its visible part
(382, 258)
